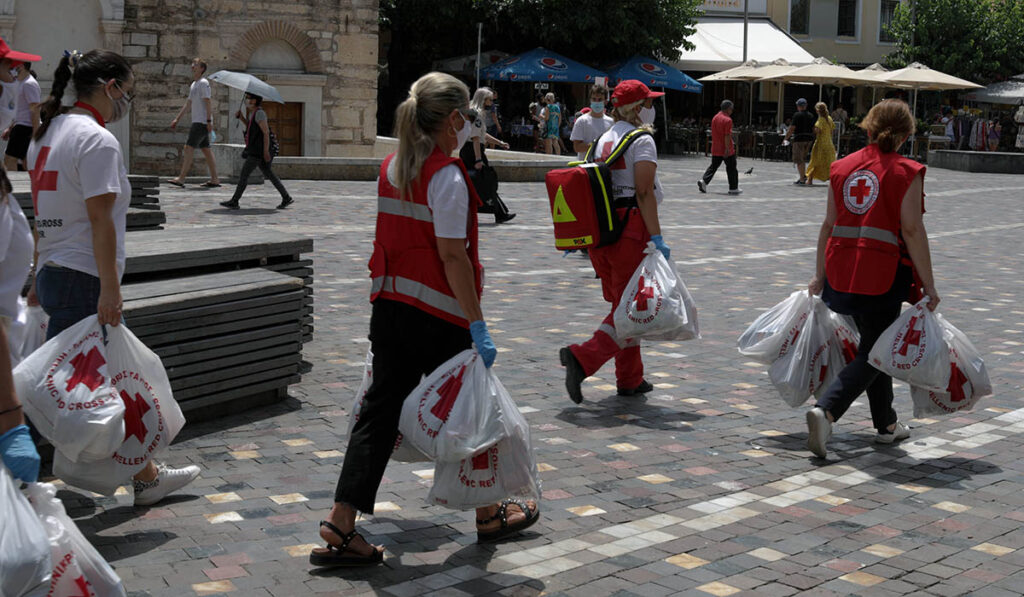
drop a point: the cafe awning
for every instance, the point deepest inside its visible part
(719, 45)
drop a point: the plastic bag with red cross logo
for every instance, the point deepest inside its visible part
(403, 451)
(807, 368)
(24, 551)
(78, 569)
(773, 332)
(914, 349)
(656, 304)
(968, 378)
(506, 469)
(453, 413)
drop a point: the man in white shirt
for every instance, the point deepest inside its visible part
(590, 126)
(202, 126)
(26, 117)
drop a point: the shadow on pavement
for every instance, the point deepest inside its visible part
(216, 424)
(245, 211)
(616, 411)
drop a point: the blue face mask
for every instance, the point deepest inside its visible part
(597, 107)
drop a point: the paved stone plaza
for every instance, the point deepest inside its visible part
(704, 487)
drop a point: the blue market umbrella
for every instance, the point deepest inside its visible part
(653, 74)
(541, 65)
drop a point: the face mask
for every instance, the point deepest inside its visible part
(14, 73)
(463, 135)
(120, 106)
(647, 115)
(597, 107)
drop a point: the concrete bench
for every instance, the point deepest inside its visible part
(994, 162)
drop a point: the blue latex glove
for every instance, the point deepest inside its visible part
(659, 244)
(19, 454)
(484, 344)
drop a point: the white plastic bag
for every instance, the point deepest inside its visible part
(914, 350)
(36, 322)
(25, 562)
(656, 304)
(78, 569)
(506, 469)
(968, 378)
(453, 413)
(403, 451)
(806, 367)
(772, 334)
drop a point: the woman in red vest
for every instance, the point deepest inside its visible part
(426, 286)
(871, 244)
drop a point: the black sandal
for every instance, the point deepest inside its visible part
(334, 554)
(176, 183)
(507, 530)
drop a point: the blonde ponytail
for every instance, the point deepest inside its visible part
(431, 99)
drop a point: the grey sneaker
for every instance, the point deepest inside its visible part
(901, 432)
(167, 481)
(702, 186)
(735, 191)
(819, 430)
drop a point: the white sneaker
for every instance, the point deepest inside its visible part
(901, 432)
(702, 186)
(167, 481)
(819, 430)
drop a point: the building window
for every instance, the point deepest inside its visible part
(799, 17)
(886, 13)
(847, 18)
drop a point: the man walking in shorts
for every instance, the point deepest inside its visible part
(202, 126)
(802, 132)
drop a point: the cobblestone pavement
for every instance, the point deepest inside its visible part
(703, 487)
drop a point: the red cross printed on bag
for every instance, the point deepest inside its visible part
(957, 380)
(448, 392)
(849, 350)
(861, 192)
(83, 585)
(644, 293)
(87, 370)
(913, 336)
(134, 409)
(822, 374)
(481, 461)
(42, 179)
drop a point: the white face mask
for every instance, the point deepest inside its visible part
(463, 135)
(119, 105)
(647, 115)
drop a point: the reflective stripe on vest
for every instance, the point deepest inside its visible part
(407, 209)
(419, 291)
(871, 232)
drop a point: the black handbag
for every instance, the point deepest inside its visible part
(485, 181)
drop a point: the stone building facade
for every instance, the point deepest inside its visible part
(322, 55)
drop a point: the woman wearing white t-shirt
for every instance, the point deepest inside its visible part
(426, 287)
(81, 192)
(637, 194)
(475, 158)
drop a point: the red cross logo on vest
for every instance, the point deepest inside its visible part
(134, 409)
(42, 179)
(448, 392)
(87, 370)
(860, 191)
(913, 336)
(481, 461)
(957, 380)
(643, 294)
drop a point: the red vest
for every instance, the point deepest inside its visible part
(406, 265)
(866, 247)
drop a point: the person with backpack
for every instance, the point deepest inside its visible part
(260, 149)
(637, 193)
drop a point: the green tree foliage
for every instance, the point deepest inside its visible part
(977, 40)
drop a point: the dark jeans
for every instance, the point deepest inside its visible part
(859, 375)
(407, 343)
(730, 170)
(68, 296)
(251, 163)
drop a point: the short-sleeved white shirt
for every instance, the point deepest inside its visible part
(477, 129)
(588, 129)
(82, 160)
(448, 199)
(196, 93)
(642, 150)
(28, 94)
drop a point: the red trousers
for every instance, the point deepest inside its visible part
(615, 265)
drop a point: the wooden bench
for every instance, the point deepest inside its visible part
(224, 337)
(144, 211)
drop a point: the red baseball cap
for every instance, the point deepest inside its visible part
(632, 91)
(15, 56)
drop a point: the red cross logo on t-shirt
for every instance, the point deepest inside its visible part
(606, 152)
(134, 409)
(448, 392)
(643, 294)
(42, 179)
(87, 370)
(913, 336)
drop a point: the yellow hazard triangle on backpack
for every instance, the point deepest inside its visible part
(582, 206)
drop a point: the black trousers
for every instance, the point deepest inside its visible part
(859, 375)
(251, 163)
(407, 343)
(730, 170)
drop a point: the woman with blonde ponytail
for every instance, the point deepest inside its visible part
(872, 255)
(426, 286)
